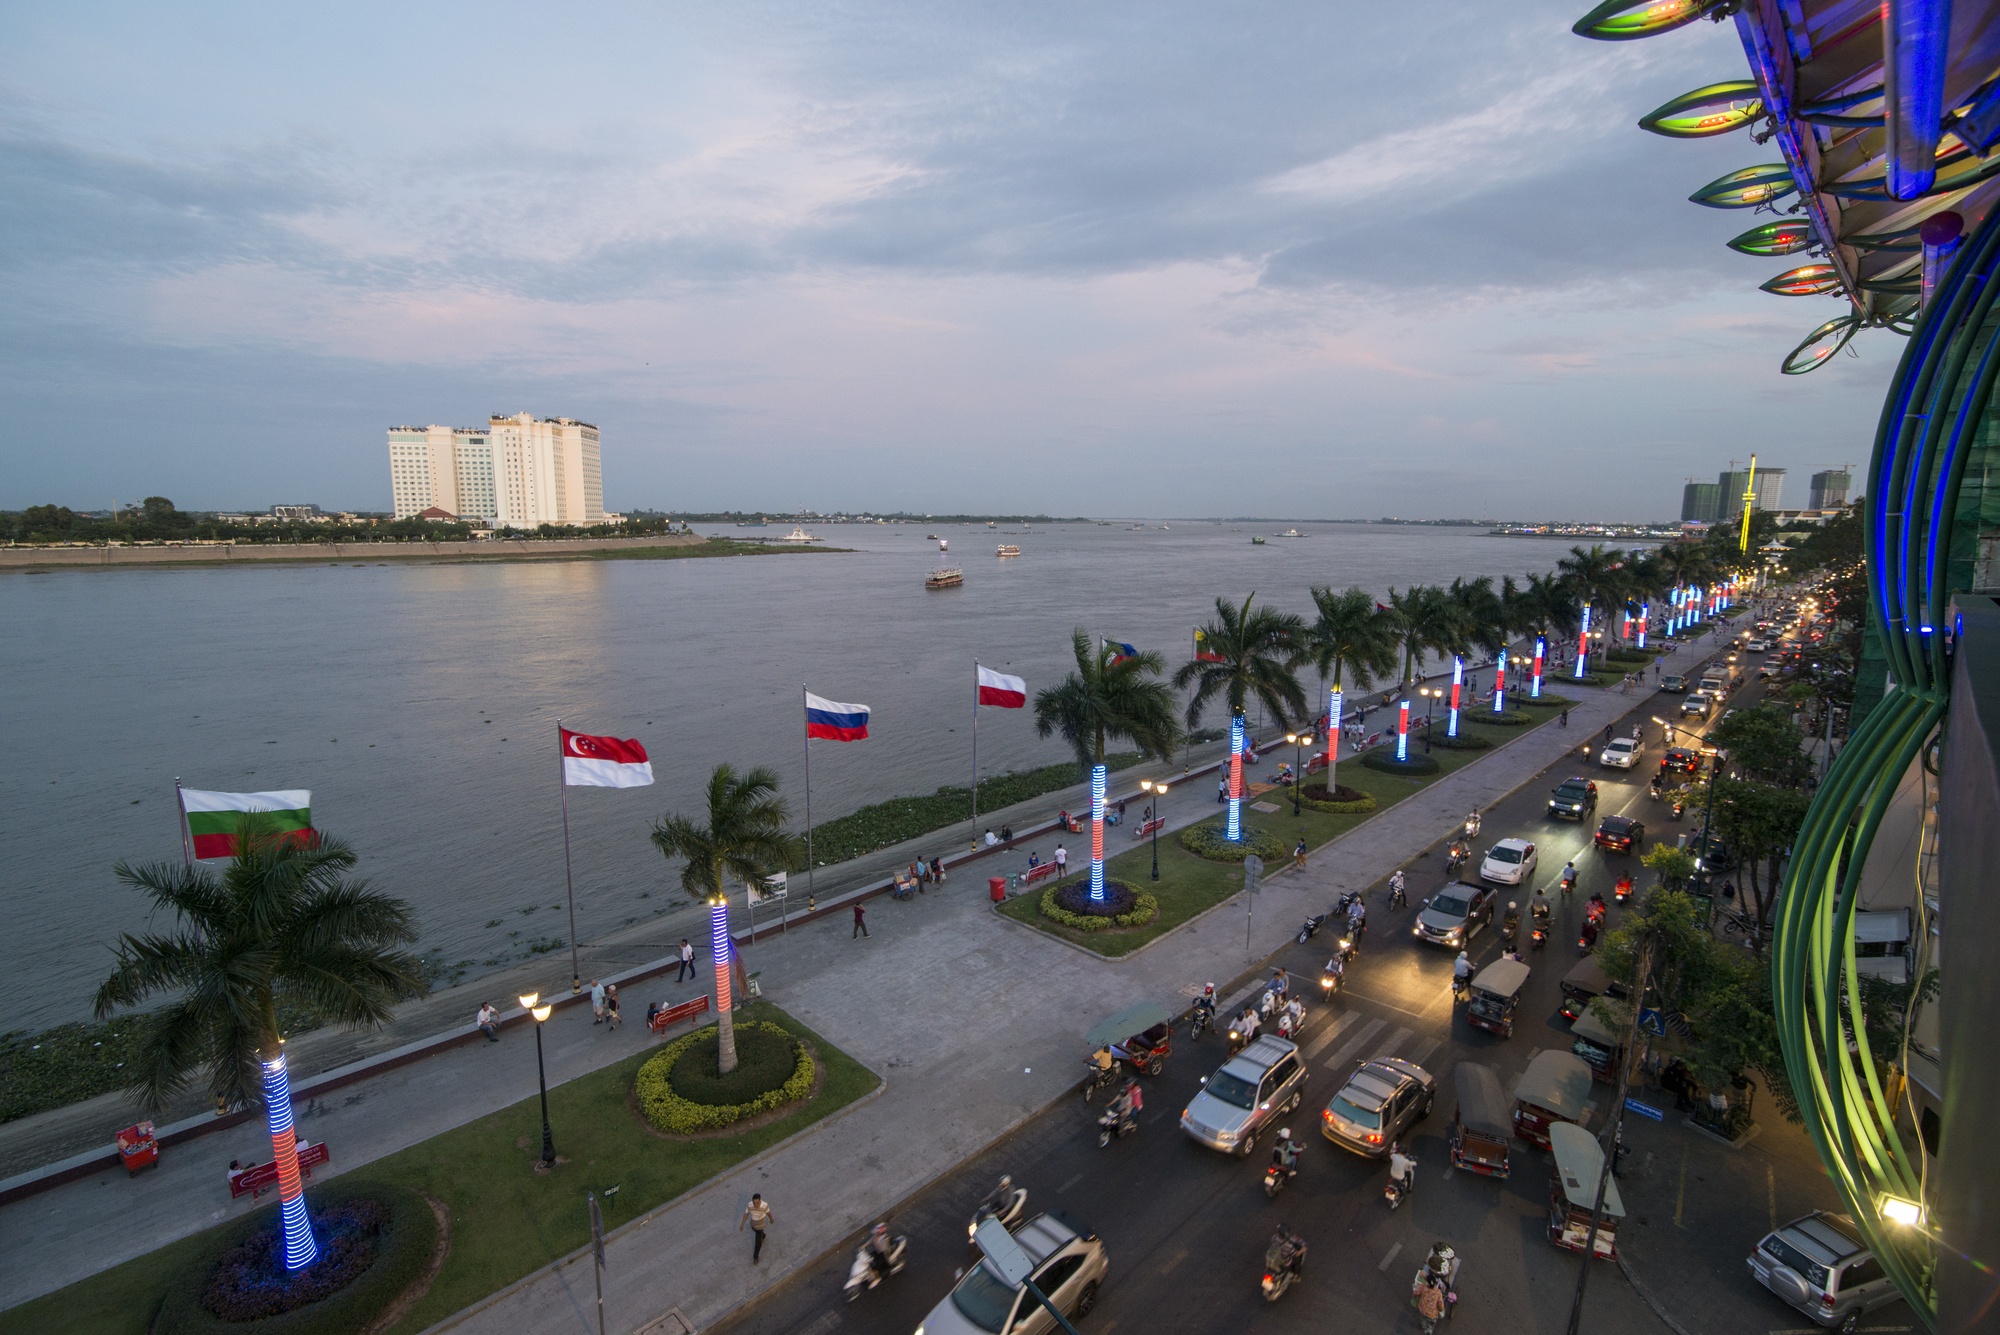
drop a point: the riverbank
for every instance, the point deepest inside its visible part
(665, 547)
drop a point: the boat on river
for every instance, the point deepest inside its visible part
(944, 578)
(1007, 549)
(798, 535)
(1291, 533)
(1256, 542)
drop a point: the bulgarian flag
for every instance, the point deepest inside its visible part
(215, 820)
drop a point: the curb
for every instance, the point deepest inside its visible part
(1646, 1297)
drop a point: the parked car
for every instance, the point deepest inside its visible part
(1818, 1264)
(1381, 1101)
(1620, 834)
(1070, 1262)
(1574, 798)
(1509, 862)
(1680, 760)
(1453, 914)
(1621, 753)
(1253, 1090)
(1696, 704)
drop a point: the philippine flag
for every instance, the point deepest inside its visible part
(1125, 651)
(603, 762)
(1002, 692)
(835, 722)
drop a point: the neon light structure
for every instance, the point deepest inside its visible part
(1747, 188)
(1457, 685)
(1235, 830)
(1097, 773)
(1333, 704)
(1716, 109)
(1583, 644)
(719, 947)
(1645, 620)
(1624, 20)
(1403, 731)
(1500, 682)
(1535, 682)
(1774, 239)
(1808, 280)
(300, 1249)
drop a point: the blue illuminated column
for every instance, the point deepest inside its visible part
(1333, 704)
(1403, 731)
(1535, 682)
(1583, 644)
(1457, 684)
(300, 1249)
(1235, 831)
(1645, 620)
(1097, 774)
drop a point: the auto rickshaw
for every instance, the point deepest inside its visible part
(1140, 1035)
(1550, 1092)
(1573, 1192)
(1495, 991)
(1478, 1136)
(1600, 1045)
(1585, 980)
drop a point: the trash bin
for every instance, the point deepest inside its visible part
(996, 886)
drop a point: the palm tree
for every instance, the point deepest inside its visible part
(1481, 614)
(1257, 649)
(1109, 695)
(1352, 641)
(1595, 575)
(281, 922)
(744, 838)
(1425, 619)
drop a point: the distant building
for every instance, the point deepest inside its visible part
(1829, 489)
(309, 514)
(1769, 485)
(1701, 503)
(522, 471)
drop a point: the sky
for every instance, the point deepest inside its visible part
(1307, 260)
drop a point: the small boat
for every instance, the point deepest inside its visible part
(1256, 542)
(943, 546)
(1007, 549)
(1291, 533)
(944, 579)
(798, 535)
(932, 536)
(992, 524)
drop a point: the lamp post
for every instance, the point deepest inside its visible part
(1666, 730)
(1430, 694)
(1159, 790)
(1300, 741)
(540, 1013)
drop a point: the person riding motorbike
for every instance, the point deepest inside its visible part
(1287, 1252)
(878, 1247)
(1538, 907)
(1472, 823)
(1205, 1003)
(1456, 854)
(1357, 919)
(1568, 877)
(1285, 1154)
(1396, 897)
(1295, 1017)
(1247, 1023)
(1281, 982)
(1658, 784)
(1461, 974)
(1336, 969)
(1402, 1168)
(1510, 922)
(1623, 889)
(1594, 908)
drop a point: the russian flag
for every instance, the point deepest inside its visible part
(1002, 692)
(832, 721)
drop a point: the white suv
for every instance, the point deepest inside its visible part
(1621, 753)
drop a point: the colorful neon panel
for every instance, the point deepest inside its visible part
(1235, 831)
(1808, 280)
(1457, 686)
(1716, 109)
(1500, 683)
(1403, 731)
(1821, 344)
(1627, 20)
(1097, 774)
(1333, 710)
(1776, 238)
(300, 1248)
(1746, 188)
(1535, 682)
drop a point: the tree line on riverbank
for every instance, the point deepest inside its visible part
(157, 519)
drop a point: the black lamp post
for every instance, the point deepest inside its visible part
(1430, 694)
(1300, 741)
(1158, 789)
(540, 1013)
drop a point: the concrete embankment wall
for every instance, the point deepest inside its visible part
(493, 549)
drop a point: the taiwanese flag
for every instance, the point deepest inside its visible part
(1000, 691)
(603, 762)
(832, 721)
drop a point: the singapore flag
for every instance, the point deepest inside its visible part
(603, 762)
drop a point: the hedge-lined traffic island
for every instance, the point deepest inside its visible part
(681, 1091)
(1122, 908)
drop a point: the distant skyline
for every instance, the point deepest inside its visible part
(1138, 259)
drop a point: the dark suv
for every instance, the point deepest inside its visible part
(1574, 799)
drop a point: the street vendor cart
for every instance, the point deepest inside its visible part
(138, 1147)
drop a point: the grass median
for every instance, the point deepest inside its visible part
(506, 1221)
(1191, 885)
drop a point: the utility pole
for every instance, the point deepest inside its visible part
(1610, 1143)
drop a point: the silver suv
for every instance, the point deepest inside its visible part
(1818, 1265)
(1253, 1089)
(1070, 1263)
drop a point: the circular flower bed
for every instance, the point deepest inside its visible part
(1071, 906)
(679, 1091)
(1384, 759)
(1207, 840)
(1342, 801)
(1513, 718)
(374, 1241)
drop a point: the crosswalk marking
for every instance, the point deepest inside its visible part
(1329, 1033)
(1422, 1050)
(1352, 1048)
(1388, 1046)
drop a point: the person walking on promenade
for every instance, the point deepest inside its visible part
(687, 961)
(1299, 854)
(1062, 862)
(611, 1016)
(1221, 790)
(489, 1022)
(758, 1214)
(860, 921)
(596, 1002)
(937, 870)
(1565, 718)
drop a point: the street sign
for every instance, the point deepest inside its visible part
(1253, 872)
(772, 888)
(1652, 1021)
(1645, 1110)
(1005, 1254)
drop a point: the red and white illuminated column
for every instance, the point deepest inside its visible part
(1333, 705)
(1583, 644)
(1457, 685)
(719, 947)
(300, 1249)
(1235, 830)
(1500, 684)
(1535, 682)
(1403, 731)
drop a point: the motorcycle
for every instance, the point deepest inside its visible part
(1456, 857)
(1276, 1176)
(1461, 988)
(864, 1274)
(1399, 1187)
(1680, 808)
(1097, 1078)
(1345, 949)
(1622, 891)
(1239, 1038)
(1199, 1019)
(1310, 928)
(1568, 880)
(1471, 826)
(1510, 928)
(1279, 1273)
(1330, 982)
(1114, 1123)
(1348, 900)
(1010, 1212)
(1586, 941)
(1538, 931)
(1397, 897)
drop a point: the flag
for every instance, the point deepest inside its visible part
(1001, 691)
(1125, 651)
(215, 819)
(1202, 655)
(832, 721)
(603, 762)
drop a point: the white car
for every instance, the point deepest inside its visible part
(1622, 753)
(1509, 862)
(1757, 646)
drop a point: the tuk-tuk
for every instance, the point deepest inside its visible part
(1479, 1127)
(1495, 990)
(1600, 1046)
(1586, 980)
(1573, 1191)
(1549, 1093)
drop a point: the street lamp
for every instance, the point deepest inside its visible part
(1430, 694)
(1666, 730)
(541, 1013)
(1158, 789)
(1300, 741)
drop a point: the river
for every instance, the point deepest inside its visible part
(253, 678)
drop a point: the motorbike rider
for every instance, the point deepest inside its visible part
(1402, 1168)
(1538, 907)
(1337, 968)
(1594, 907)
(1624, 885)
(1568, 877)
(1658, 784)
(1205, 1003)
(1281, 982)
(997, 1200)
(1510, 922)
(1396, 897)
(1247, 1024)
(1295, 1017)
(877, 1248)
(1285, 1154)
(1461, 972)
(1287, 1252)
(1472, 822)
(1130, 1101)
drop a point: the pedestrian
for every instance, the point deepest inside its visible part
(991, 838)
(1006, 834)
(1430, 1306)
(1222, 790)
(937, 870)
(758, 1213)
(611, 1016)
(1062, 862)
(687, 962)
(596, 1002)
(489, 1022)
(917, 876)
(860, 921)
(1299, 854)
(1565, 718)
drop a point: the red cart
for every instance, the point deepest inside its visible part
(138, 1147)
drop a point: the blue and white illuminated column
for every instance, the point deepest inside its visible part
(300, 1249)
(1403, 731)
(1457, 685)
(1645, 620)
(1333, 707)
(1500, 683)
(1583, 644)
(1541, 653)
(1097, 775)
(1235, 831)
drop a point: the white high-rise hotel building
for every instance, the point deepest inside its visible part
(519, 470)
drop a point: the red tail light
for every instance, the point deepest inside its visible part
(1374, 1137)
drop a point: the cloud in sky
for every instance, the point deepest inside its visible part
(1112, 259)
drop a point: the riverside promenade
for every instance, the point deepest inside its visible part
(974, 1021)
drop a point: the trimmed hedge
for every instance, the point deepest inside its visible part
(1208, 841)
(1513, 718)
(1465, 741)
(1384, 759)
(1344, 801)
(669, 1112)
(1144, 909)
(403, 1250)
(1545, 702)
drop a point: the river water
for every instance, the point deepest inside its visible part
(255, 678)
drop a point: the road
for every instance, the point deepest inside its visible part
(1186, 1227)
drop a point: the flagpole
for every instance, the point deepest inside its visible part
(804, 717)
(187, 849)
(975, 748)
(569, 880)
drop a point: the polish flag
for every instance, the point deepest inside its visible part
(603, 762)
(1001, 691)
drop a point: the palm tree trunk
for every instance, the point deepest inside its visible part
(301, 1250)
(725, 1022)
